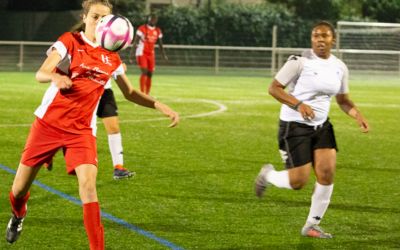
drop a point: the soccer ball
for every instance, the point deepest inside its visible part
(114, 32)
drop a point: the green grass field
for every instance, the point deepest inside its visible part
(194, 183)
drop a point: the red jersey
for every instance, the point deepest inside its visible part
(148, 37)
(89, 67)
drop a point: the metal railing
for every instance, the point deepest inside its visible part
(27, 56)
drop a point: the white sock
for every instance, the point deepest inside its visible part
(279, 178)
(115, 144)
(319, 203)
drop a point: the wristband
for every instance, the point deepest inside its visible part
(295, 107)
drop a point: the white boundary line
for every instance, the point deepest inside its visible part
(273, 102)
(221, 108)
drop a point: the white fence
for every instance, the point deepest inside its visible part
(27, 56)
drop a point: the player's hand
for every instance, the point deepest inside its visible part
(62, 82)
(168, 112)
(306, 112)
(362, 122)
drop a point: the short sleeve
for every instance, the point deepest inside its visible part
(290, 71)
(344, 88)
(160, 34)
(62, 45)
(139, 32)
(119, 71)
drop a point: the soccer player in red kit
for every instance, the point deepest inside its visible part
(146, 37)
(78, 70)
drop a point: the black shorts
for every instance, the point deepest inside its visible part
(107, 106)
(298, 141)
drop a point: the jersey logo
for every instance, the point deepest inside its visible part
(105, 60)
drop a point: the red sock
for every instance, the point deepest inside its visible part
(143, 83)
(93, 226)
(18, 205)
(148, 84)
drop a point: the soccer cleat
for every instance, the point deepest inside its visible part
(122, 173)
(314, 231)
(14, 229)
(261, 183)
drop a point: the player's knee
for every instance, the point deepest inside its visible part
(325, 177)
(149, 74)
(88, 193)
(114, 129)
(298, 185)
(87, 189)
(299, 182)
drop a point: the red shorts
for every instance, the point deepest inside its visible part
(44, 141)
(146, 62)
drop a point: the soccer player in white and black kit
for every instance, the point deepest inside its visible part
(306, 137)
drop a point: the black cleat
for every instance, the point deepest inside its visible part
(122, 173)
(14, 229)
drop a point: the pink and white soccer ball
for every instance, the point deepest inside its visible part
(114, 32)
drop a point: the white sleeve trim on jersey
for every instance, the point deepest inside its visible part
(160, 36)
(119, 71)
(60, 47)
(139, 33)
(108, 84)
(290, 71)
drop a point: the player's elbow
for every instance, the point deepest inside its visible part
(39, 77)
(272, 90)
(129, 95)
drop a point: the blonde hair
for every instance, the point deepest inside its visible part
(86, 4)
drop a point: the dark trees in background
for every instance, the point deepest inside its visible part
(382, 10)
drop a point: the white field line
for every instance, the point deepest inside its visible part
(221, 108)
(272, 102)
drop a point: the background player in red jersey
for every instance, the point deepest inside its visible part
(146, 37)
(78, 70)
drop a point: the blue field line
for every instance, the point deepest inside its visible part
(103, 214)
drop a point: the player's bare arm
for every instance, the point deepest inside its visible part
(167, 111)
(145, 100)
(277, 90)
(160, 43)
(349, 108)
(46, 72)
(132, 52)
(133, 95)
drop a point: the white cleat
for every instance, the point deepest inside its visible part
(261, 182)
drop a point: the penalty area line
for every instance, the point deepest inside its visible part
(221, 108)
(108, 216)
